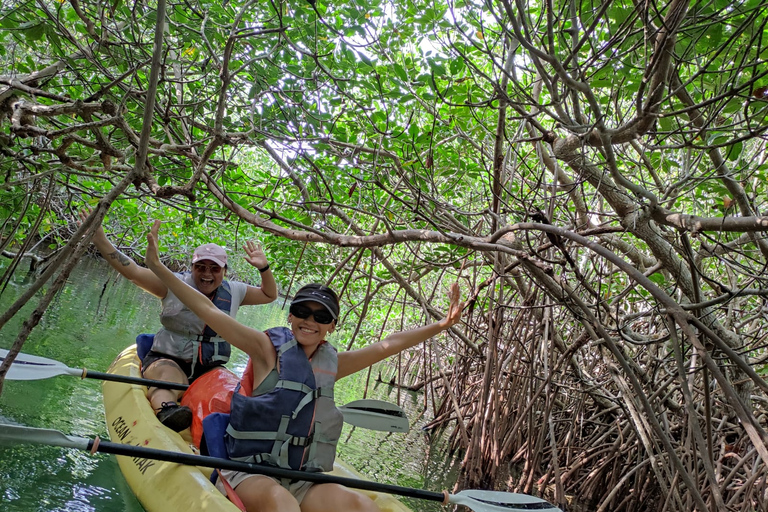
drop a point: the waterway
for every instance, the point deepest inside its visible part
(92, 319)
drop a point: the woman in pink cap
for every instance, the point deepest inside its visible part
(185, 347)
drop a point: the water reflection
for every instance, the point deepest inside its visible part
(93, 318)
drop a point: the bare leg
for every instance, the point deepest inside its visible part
(167, 370)
(264, 494)
(335, 498)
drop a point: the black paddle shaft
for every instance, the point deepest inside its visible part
(134, 380)
(215, 462)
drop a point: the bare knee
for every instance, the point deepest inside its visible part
(334, 497)
(165, 370)
(359, 502)
(261, 494)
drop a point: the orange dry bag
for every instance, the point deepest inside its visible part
(211, 392)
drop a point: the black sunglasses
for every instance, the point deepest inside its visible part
(322, 316)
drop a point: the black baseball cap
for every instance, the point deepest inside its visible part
(321, 294)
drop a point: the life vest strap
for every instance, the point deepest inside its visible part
(293, 386)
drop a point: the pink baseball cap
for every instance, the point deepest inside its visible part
(213, 252)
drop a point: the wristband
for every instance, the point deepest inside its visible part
(262, 270)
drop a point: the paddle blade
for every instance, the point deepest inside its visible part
(27, 367)
(497, 501)
(375, 415)
(30, 435)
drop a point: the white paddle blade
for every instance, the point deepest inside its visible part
(497, 501)
(27, 367)
(374, 421)
(378, 406)
(30, 435)
(375, 415)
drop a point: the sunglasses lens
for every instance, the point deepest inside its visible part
(321, 316)
(300, 311)
(215, 269)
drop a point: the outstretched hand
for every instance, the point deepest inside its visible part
(152, 258)
(255, 254)
(454, 309)
(83, 215)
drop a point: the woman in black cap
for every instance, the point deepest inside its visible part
(288, 417)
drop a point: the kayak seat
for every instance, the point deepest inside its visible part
(212, 442)
(144, 344)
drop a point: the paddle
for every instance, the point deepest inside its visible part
(375, 415)
(479, 501)
(27, 367)
(369, 414)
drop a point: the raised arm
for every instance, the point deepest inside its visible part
(356, 360)
(267, 292)
(254, 343)
(140, 276)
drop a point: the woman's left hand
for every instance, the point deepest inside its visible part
(152, 257)
(255, 254)
(454, 309)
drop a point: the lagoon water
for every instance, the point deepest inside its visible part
(93, 318)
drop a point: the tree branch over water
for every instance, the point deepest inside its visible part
(393, 148)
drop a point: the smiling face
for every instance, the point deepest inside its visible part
(207, 276)
(307, 331)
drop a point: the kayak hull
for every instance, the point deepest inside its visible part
(165, 486)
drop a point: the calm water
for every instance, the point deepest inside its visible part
(89, 323)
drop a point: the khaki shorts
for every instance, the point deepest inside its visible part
(297, 488)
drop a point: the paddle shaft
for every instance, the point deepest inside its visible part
(139, 452)
(87, 374)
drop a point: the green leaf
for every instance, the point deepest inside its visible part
(34, 32)
(400, 71)
(365, 60)
(438, 68)
(734, 151)
(717, 138)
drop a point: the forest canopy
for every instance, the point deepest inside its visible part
(592, 173)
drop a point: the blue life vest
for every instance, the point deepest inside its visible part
(295, 425)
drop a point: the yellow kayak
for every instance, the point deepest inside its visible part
(166, 486)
